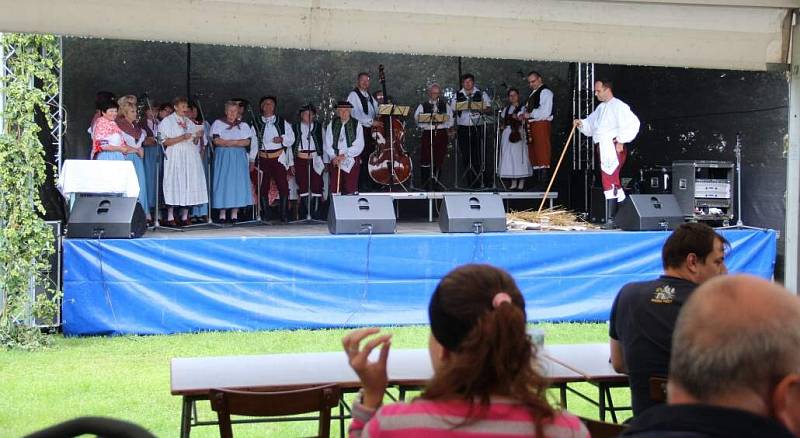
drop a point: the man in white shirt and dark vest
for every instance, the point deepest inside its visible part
(365, 111)
(344, 143)
(274, 156)
(434, 135)
(470, 129)
(307, 148)
(611, 125)
(539, 115)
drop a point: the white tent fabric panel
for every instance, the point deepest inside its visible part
(688, 33)
(621, 32)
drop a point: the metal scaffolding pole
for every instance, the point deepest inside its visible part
(792, 248)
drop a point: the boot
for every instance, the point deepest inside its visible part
(302, 208)
(284, 208)
(611, 211)
(315, 213)
(264, 205)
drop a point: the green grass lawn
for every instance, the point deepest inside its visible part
(128, 377)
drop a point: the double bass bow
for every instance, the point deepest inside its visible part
(389, 163)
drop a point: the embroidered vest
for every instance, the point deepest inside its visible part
(316, 135)
(534, 100)
(349, 132)
(440, 107)
(477, 96)
(365, 101)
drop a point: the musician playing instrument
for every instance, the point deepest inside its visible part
(307, 148)
(275, 154)
(611, 125)
(539, 115)
(365, 111)
(514, 163)
(231, 184)
(438, 137)
(470, 123)
(184, 179)
(344, 143)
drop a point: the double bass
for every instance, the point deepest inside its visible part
(389, 163)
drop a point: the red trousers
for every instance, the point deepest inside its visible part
(301, 171)
(273, 170)
(439, 148)
(611, 181)
(349, 181)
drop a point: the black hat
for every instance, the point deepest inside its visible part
(307, 107)
(343, 104)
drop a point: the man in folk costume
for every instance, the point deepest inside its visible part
(365, 111)
(184, 178)
(539, 115)
(436, 140)
(275, 155)
(308, 164)
(611, 125)
(344, 143)
(470, 123)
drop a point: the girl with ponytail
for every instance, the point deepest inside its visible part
(486, 380)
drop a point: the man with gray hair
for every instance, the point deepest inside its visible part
(735, 366)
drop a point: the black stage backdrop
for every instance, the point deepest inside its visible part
(685, 113)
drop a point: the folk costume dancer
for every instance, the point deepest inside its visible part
(344, 143)
(107, 143)
(152, 155)
(470, 128)
(611, 125)
(184, 179)
(133, 136)
(308, 163)
(514, 163)
(365, 111)
(231, 183)
(275, 157)
(434, 135)
(539, 114)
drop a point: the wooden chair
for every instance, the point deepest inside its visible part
(658, 389)
(600, 429)
(274, 404)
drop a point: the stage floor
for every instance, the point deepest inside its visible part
(286, 230)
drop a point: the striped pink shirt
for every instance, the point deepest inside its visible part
(504, 418)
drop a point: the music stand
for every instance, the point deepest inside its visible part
(471, 106)
(433, 119)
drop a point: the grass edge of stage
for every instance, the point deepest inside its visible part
(127, 377)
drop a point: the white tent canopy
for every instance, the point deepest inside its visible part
(684, 33)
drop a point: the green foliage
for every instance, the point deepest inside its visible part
(25, 240)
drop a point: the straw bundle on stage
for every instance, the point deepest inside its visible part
(558, 219)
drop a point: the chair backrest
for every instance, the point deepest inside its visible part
(600, 429)
(273, 404)
(658, 389)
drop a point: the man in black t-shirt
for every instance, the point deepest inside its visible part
(643, 314)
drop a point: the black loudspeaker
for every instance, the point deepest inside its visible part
(472, 213)
(597, 205)
(649, 212)
(361, 214)
(106, 217)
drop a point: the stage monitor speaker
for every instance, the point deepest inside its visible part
(472, 213)
(649, 212)
(106, 217)
(361, 214)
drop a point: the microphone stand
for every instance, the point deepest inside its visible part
(739, 223)
(257, 218)
(159, 184)
(497, 154)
